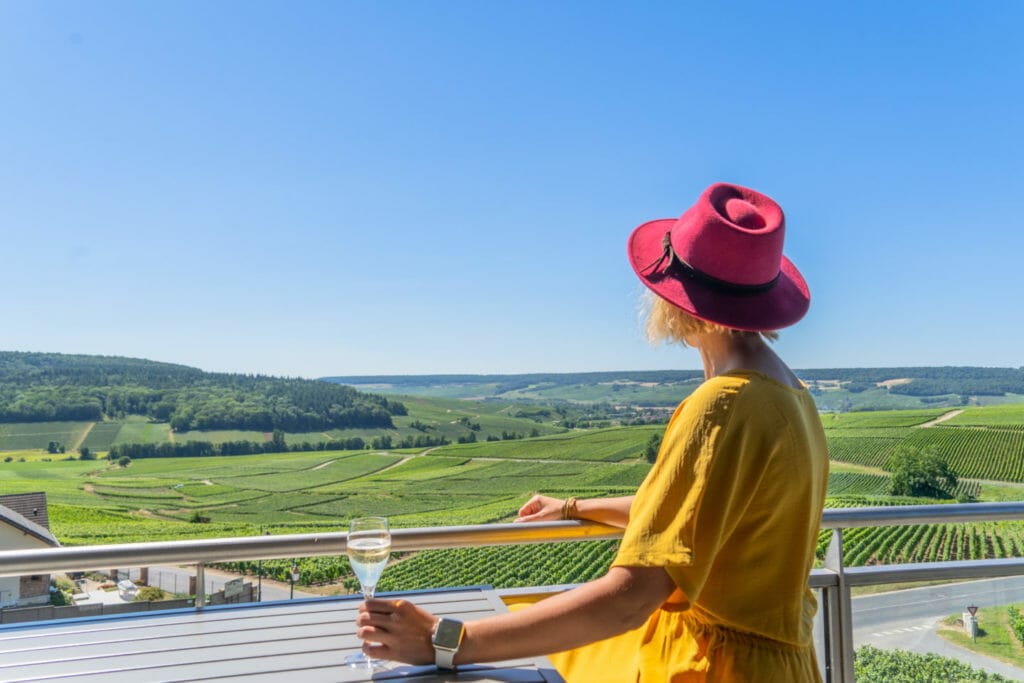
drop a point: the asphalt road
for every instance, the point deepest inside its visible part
(927, 602)
(907, 619)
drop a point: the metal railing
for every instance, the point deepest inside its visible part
(835, 580)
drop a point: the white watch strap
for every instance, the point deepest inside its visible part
(444, 658)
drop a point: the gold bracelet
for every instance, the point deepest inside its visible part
(569, 508)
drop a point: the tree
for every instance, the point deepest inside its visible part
(124, 461)
(85, 454)
(651, 450)
(149, 594)
(921, 473)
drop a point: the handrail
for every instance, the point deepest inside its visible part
(834, 581)
(902, 515)
(73, 558)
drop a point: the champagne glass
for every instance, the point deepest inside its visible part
(368, 548)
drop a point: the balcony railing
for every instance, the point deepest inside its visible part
(834, 580)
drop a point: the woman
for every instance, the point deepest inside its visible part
(710, 580)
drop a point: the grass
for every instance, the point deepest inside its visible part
(1001, 491)
(880, 418)
(836, 466)
(140, 430)
(873, 400)
(635, 393)
(222, 435)
(893, 587)
(1010, 415)
(995, 637)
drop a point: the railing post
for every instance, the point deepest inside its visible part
(839, 612)
(200, 585)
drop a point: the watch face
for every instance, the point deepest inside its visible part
(449, 633)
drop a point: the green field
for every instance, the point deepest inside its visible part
(140, 430)
(609, 445)
(435, 418)
(25, 435)
(985, 443)
(634, 393)
(101, 436)
(1010, 416)
(151, 499)
(879, 419)
(843, 391)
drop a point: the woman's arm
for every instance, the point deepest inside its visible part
(621, 600)
(610, 511)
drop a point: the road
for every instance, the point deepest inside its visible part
(907, 619)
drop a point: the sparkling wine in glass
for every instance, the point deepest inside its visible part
(368, 549)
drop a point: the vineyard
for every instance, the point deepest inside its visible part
(981, 453)
(484, 482)
(1005, 416)
(897, 666)
(978, 443)
(607, 445)
(504, 566)
(435, 418)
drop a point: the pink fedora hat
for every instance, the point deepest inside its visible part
(722, 261)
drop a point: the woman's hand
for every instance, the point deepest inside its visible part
(396, 630)
(541, 509)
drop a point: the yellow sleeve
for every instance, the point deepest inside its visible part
(697, 490)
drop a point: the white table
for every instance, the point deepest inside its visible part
(297, 641)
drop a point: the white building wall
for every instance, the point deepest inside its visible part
(9, 590)
(15, 539)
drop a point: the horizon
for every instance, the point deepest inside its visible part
(328, 189)
(515, 374)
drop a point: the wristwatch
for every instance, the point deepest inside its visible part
(446, 639)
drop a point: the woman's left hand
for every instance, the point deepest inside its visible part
(396, 630)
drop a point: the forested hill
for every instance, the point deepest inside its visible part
(503, 384)
(926, 381)
(37, 387)
(834, 388)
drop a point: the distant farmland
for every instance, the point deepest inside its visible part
(167, 498)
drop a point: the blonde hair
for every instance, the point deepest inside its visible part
(667, 323)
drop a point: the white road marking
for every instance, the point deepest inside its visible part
(909, 629)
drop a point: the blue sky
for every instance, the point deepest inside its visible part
(309, 189)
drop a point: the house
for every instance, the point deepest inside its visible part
(25, 524)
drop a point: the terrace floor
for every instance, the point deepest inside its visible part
(299, 640)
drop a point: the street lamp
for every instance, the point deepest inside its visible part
(295, 579)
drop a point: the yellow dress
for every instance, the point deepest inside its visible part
(731, 510)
